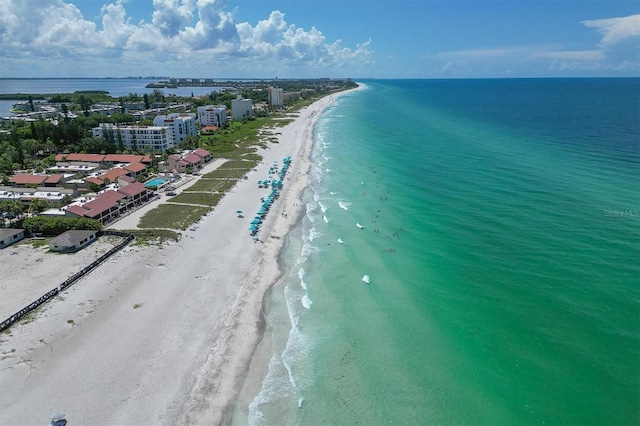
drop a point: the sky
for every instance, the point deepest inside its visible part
(320, 38)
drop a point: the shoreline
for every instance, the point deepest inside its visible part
(171, 330)
(255, 366)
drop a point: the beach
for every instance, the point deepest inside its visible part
(161, 335)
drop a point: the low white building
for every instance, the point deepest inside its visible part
(183, 125)
(241, 108)
(137, 138)
(211, 115)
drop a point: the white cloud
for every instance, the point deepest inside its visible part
(171, 16)
(614, 30)
(203, 30)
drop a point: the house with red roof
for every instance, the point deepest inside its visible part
(210, 129)
(204, 154)
(75, 210)
(135, 194)
(125, 180)
(195, 161)
(54, 180)
(113, 174)
(135, 169)
(113, 159)
(80, 158)
(105, 207)
(24, 179)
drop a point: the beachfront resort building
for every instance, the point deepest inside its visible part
(182, 125)
(276, 96)
(211, 115)
(137, 138)
(241, 108)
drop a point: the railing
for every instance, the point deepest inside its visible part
(69, 281)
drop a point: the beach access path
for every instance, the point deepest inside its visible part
(161, 335)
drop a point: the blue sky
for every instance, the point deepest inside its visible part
(320, 38)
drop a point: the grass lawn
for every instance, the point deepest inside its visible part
(172, 216)
(203, 198)
(239, 164)
(212, 185)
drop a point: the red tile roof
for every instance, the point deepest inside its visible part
(175, 157)
(87, 158)
(113, 174)
(133, 189)
(102, 203)
(146, 159)
(56, 178)
(135, 167)
(77, 210)
(27, 179)
(192, 158)
(210, 128)
(95, 180)
(202, 152)
(124, 158)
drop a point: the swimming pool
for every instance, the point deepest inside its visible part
(155, 182)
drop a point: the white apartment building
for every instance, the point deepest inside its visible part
(211, 115)
(276, 96)
(137, 138)
(241, 108)
(183, 125)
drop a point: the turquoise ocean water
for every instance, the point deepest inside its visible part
(502, 241)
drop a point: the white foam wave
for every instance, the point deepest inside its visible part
(344, 205)
(324, 217)
(340, 241)
(359, 226)
(314, 233)
(306, 302)
(301, 273)
(323, 206)
(366, 279)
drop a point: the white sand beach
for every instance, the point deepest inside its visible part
(160, 335)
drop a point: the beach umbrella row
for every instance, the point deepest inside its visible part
(276, 186)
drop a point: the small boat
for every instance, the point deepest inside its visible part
(359, 226)
(366, 279)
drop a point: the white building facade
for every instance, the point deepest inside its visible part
(182, 125)
(211, 115)
(241, 108)
(276, 96)
(136, 138)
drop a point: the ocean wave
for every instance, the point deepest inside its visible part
(344, 205)
(301, 273)
(306, 302)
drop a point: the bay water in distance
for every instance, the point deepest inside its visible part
(115, 86)
(497, 222)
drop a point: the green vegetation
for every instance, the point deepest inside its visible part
(173, 216)
(198, 198)
(153, 236)
(210, 185)
(41, 242)
(58, 225)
